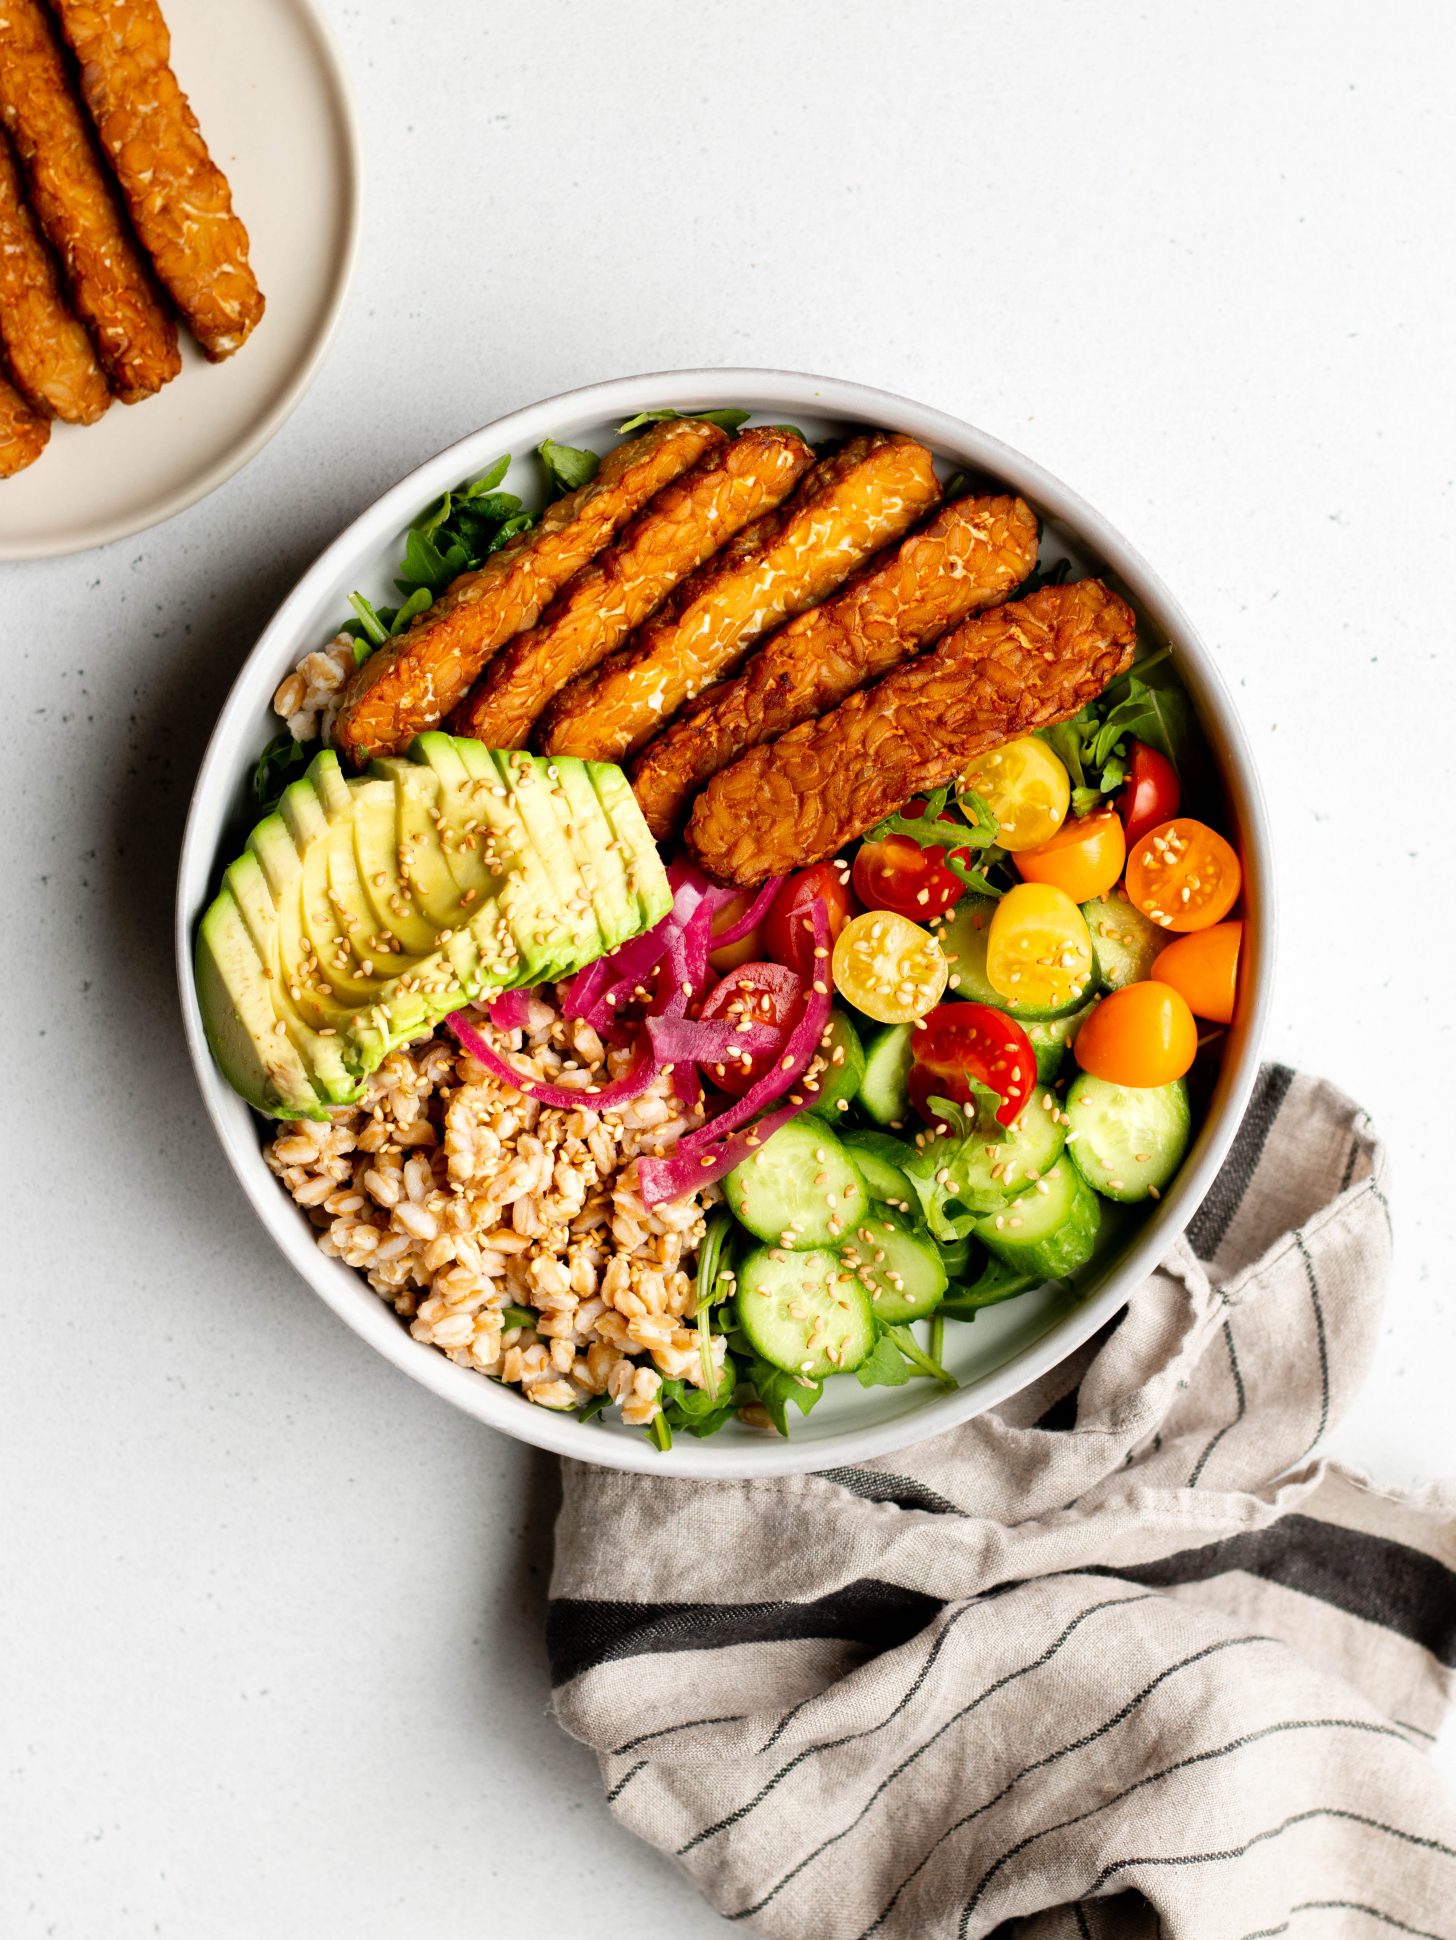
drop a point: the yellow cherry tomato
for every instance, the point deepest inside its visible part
(1203, 968)
(1183, 875)
(889, 967)
(748, 949)
(1025, 787)
(1143, 1034)
(1038, 949)
(1084, 857)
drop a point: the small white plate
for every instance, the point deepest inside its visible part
(268, 86)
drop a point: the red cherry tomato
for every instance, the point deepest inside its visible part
(788, 931)
(962, 1041)
(897, 874)
(1149, 795)
(754, 993)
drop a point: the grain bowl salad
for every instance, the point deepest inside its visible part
(725, 926)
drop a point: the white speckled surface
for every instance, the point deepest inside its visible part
(272, 1614)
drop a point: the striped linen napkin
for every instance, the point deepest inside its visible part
(1118, 1659)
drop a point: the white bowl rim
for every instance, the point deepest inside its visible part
(489, 1401)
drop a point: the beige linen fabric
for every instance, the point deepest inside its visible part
(1120, 1658)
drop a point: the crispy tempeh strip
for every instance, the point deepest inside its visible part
(847, 507)
(51, 358)
(109, 285)
(413, 682)
(179, 198)
(969, 556)
(23, 432)
(674, 533)
(999, 675)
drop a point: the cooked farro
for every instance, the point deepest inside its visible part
(308, 698)
(457, 1197)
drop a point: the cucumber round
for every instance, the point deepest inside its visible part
(804, 1312)
(881, 1159)
(800, 1188)
(1130, 1139)
(900, 1268)
(964, 936)
(1029, 1149)
(884, 1094)
(1051, 1039)
(1124, 940)
(844, 1070)
(1048, 1231)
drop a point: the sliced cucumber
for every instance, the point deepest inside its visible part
(1029, 1149)
(844, 1069)
(799, 1189)
(1051, 1039)
(804, 1312)
(964, 936)
(1125, 941)
(881, 1158)
(1049, 1231)
(884, 1094)
(1130, 1139)
(899, 1268)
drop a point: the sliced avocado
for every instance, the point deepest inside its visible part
(241, 1024)
(594, 847)
(305, 1015)
(420, 860)
(559, 926)
(302, 810)
(250, 891)
(376, 856)
(646, 877)
(330, 783)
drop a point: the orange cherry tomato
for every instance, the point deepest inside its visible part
(1183, 875)
(1203, 968)
(1143, 1034)
(1084, 857)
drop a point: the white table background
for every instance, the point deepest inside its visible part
(272, 1659)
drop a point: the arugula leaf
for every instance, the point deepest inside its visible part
(918, 1358)
(517, 1317)
(997, 1282)
(776, 1390)
(726, 419)
(282, 761)
(939, 1171)
(594, 1406)
(1053, 575)
(700, 1411)
(418, 600)
(567, 467)
(886, 1367)
(376, 630)
(929, 831)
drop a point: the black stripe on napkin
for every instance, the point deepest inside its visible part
(582, 1633)
(1366, 1576)
(1208, 1226)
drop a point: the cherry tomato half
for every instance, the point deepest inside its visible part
(1143, 1034)
(748, 949)
(1150, 794)
(1183, 876)
(962, 1041)
(888, 967)
(1203, 968)
(788, 933)
(754, 993)
(898, 874)
(1084, 857)
(1025, 787)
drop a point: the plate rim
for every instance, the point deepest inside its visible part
(215, 475)
(371, 1318)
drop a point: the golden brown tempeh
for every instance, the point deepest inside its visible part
(969, 556)
(23, 432)
(845, 509)
(110, 287)
(178, 197)
(413, 682)
(51, 358)
(675, 532)
(999, 675)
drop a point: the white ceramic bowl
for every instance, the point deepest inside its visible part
(1007, 1346)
